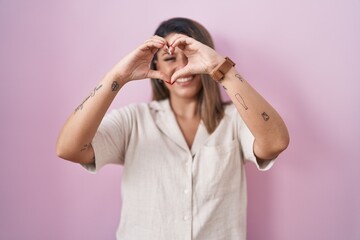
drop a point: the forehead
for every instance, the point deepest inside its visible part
(170, 36)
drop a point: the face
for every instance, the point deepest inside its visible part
(184, 88)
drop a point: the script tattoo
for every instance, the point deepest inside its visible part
(241, 101)
(240, 77)
(265, 116)
(115, 86)
(87, 98)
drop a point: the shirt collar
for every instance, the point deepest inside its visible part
(166, 122)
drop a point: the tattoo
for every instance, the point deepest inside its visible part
(86, 146)
(87, 98)
(240, 77)
(241, 101)
(115, 86)
(265, 116)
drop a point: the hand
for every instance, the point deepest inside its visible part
(136, 65)
(201, 58)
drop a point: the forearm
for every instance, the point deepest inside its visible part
(74, 141)
(270, 132)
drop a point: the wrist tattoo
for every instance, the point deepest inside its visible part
(265, 116)
(87, 98)
(115, 86)
(241, 101)
(240, 77)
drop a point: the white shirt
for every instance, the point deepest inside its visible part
(171, 192)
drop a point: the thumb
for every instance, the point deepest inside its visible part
(158, 75)
(183, 72)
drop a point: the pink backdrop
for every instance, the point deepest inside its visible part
(303, 56)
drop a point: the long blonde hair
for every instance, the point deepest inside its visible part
(210, 104)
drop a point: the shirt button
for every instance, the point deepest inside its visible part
(186, 218)
(186, 191)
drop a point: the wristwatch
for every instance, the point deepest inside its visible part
(220, 70)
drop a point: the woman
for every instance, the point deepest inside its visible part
(183, 153)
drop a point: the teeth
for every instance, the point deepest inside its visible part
(182, 80)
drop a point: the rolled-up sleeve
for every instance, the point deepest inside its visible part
(247, 144)
(111, 139)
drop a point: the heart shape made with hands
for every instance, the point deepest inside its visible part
(200, 57)
(172, 79)
(180, 72)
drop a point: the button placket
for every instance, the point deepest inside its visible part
(187, 192)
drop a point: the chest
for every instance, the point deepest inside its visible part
(188, 128)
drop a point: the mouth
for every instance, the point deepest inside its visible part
(184, 81)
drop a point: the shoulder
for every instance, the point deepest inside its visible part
(159, 105)
(231, 115)
(229, 109)
(141, 109)
(131, 108)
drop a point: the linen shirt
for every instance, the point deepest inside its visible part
(171, 192)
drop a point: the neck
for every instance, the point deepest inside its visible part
(185, 108)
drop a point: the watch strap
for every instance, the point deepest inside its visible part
(220, 70)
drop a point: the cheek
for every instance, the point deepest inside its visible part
(198, 81)
(164, 69)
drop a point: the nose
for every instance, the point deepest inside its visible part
(182, 61)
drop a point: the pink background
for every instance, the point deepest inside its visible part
(303, 56)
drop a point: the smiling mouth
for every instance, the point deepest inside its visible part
(184, 80)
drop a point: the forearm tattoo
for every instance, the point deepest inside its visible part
(265, 116)
(80, 107)
(241, 101)
(240, 77)
(115, 86)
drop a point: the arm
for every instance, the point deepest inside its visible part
(74, 141)
(270, 132)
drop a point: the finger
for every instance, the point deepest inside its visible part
(183, 72)
(181, 42)
(176, 36)
(158, 75)
(154, 40)
(161, 39)
(173, 39)
(157, 39)
(153, 46)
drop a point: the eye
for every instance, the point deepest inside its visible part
(169, 59)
